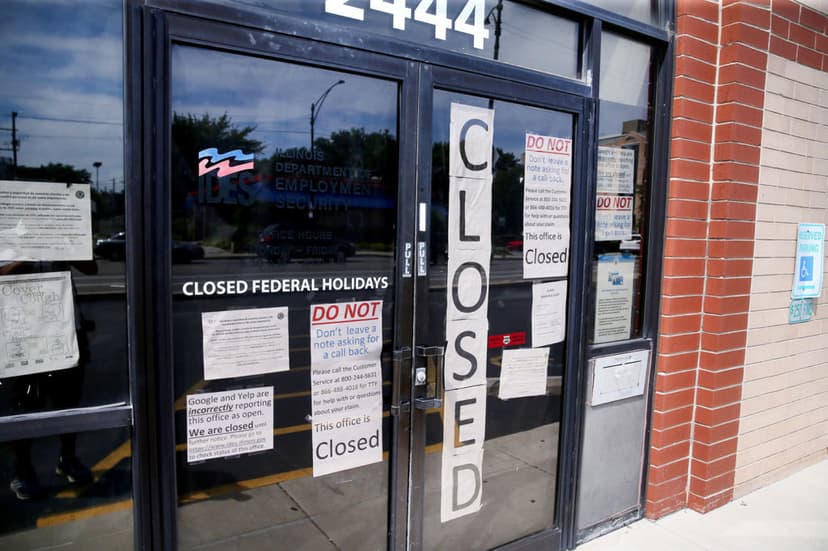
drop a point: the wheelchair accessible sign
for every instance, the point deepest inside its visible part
(810, 253)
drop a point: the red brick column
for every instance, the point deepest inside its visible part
(685, 256)
(740, 97)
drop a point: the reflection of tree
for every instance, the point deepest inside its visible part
(371, 155)
(356, 148)
(507, 191)
(191, 134)
(54, 172)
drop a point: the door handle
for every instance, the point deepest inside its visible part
(428, 377)
(401, 362)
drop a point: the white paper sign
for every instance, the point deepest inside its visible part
(222, 424)
(613, 217)
(238, 343)
(613, 298)
(45, 221)
(461, 484)
(467, 302)
(466, 353)
(546, 197)
(468, 286)
(616, 170)
(346, 385)
(523, 373)
(464, 429)
(548, 313)
(37, 324)
(618, 376)
(470, 210)
(470, 142)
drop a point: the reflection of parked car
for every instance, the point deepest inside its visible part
(282, 243)
(114, 248)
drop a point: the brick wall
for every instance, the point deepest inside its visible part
(784, 408)
(718, 109)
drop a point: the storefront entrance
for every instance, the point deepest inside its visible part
(365, 298)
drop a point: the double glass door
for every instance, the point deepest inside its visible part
(368, 345)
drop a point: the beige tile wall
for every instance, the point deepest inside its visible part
(784, 415)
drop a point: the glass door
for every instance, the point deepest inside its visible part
(305, 212)
(289, 292)
(485, 458)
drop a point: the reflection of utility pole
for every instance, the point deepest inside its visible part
(317, 106)
(495, 14)
(97, 165)
(15, 144)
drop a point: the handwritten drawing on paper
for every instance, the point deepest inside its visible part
(37, 324)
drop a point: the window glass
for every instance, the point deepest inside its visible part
(508, 31)
(62, 303)
(622, 190)
(72, 491)
(640, 10)
(303, 214)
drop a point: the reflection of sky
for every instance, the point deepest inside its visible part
(276, 97)
(625, 82)
(529, 37)
(511, 121)
(62, 71)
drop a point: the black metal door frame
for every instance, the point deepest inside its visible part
(581, 108)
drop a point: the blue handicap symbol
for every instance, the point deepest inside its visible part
(806, 269)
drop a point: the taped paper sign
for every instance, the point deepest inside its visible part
(45, 221)
(346, 385)
(238, 343)
(613, 217)
(466, 353)
(233, 422)
(470, 143)
(616, 170)
(469, 251)
(613, 299)
(548, 313)
(37, 324)
(523, 373)
(464, 412)
(546, 192)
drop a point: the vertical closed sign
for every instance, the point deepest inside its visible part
(469, 249)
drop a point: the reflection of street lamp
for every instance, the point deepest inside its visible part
(317, 106)
(97, 165)
(495, 14)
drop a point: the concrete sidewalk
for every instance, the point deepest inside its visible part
(789, 515)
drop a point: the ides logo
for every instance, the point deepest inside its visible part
(210, 160)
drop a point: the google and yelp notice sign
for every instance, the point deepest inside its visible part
(469, 20)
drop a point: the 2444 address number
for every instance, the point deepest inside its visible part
(470, 20)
